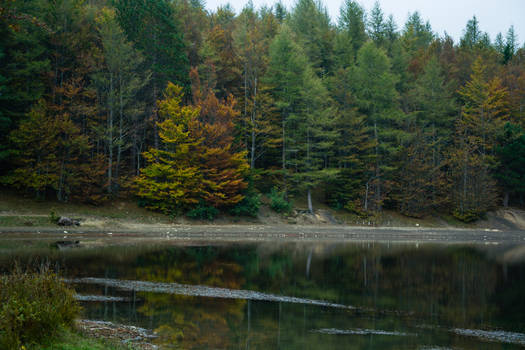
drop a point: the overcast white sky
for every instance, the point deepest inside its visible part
(444, 15)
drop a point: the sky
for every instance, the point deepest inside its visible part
(444, 15)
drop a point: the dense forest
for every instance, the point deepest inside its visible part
(188, 110)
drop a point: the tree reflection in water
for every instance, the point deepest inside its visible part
(405, 288)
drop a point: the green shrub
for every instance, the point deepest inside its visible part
(53, 217)
(278, 202)
(34, 307)
(467, 216)
(249, 206)
(203, 212)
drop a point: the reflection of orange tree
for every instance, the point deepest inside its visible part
(192, 322)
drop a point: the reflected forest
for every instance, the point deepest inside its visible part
(422, 293)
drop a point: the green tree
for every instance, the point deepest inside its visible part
(376, 96)
(307, 119)
(285, 78)
(416, 34)
(310, 23)
(511, 159)
(23, 58)
(352, 32)
(376, 25)
(510, 45)
(154, 29)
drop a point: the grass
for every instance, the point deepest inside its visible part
(29, 220)
(20, 211)
(71, 340)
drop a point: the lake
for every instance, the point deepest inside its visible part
(294, 295)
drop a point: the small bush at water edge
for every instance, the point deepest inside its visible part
(249, 206)
(203, 212)
(34, 307)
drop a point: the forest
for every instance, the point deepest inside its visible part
(190, 111)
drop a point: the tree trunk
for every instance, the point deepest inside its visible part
(506, 199)
(120, 131)
(366, 196)
(310, 206)
(154, 79)
(60, 194)
(284, 159)
(252, 159)
(378, 184)
(110, 134)
(464, 199)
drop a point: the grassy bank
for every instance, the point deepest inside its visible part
(38, 311)
(20, 211)
(72, 340)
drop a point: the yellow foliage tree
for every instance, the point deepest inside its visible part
(484, 113)
(196, 163)
(173, 180)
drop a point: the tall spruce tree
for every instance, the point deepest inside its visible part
(352, 32)
(154, 29)
(376, 96)
(310, 23)
(484, 113)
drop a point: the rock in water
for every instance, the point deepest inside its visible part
(62, 245)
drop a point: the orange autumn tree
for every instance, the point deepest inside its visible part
(195, 164)
(224, 166)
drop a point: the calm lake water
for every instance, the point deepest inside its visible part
(304, 296)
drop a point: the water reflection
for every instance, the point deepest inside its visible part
(407, 296)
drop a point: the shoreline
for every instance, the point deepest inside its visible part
(254, 233)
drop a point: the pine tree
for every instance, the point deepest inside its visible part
(376, 96)
(312, 136)
(435, 108)
(352, 32)
(48, 149)
(310, 22)
(472, 34)
(23, 58)
(416, 34)
(376, 25)
(152, 26)
(511, 159)
(484, 113)
(510, 45)
(285, 77)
